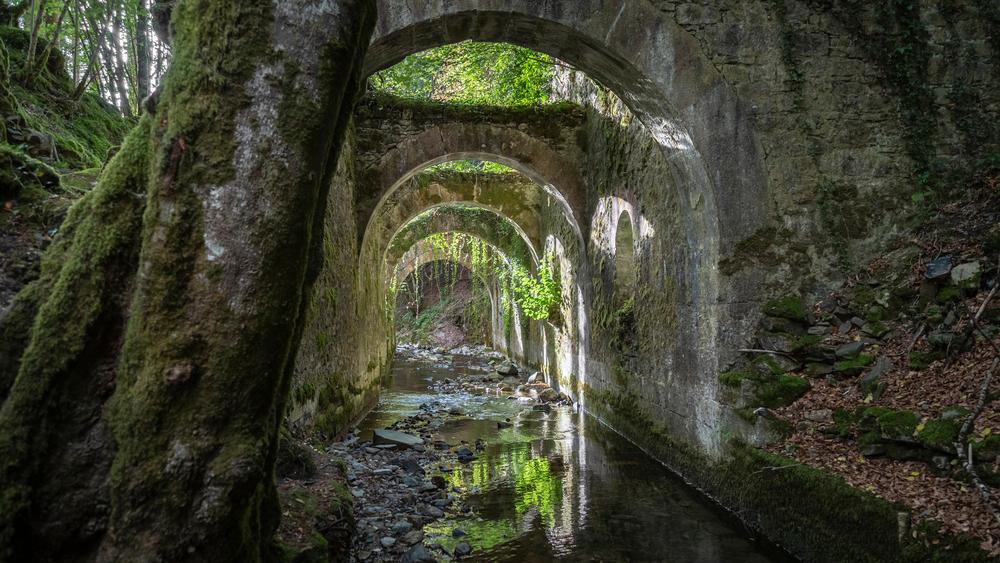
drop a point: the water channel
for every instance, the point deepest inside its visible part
(559, 485)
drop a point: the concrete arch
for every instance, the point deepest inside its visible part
(484, 224)
(656, 67)
(396, 142)
(511, 196)
(422, 253)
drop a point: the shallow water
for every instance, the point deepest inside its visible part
(560, 486)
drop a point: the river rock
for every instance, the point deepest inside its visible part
(548, 395)
(431, 511)
(463, 549)
(401, 527)
(418, 554)
(387, 542)
(413, 537)
(507, 368)
(464, 454)
(386, 437)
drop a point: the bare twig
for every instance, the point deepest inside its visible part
(963, 449)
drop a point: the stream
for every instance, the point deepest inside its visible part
(555, 485)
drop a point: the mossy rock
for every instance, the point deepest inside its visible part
(781, 390)
(790, 307)
(939, 433)
(23, 177)
(768, 390)
(921, 360)
(853, 366)
(294, 460)
(899, 425)
(868, 417)
(948, 295)
(735, 378)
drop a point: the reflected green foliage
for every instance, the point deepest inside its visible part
(538, 488)
(486, 533)
(471, 73)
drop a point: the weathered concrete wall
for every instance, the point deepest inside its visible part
(342, 358)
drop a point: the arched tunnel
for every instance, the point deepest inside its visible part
(232, 283)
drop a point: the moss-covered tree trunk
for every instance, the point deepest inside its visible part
(142, 423)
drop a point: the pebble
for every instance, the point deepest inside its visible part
(387, 542)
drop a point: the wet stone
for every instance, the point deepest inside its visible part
(463, 549)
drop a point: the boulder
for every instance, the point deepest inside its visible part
(386, 437)
(463, 549)
(507, 368)
(967, 275)
(548, 395)
(850, 350)
(464, 454)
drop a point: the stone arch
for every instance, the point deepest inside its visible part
(422, 253)
(511, 196)
(396, 142)
(657, 68)
(485, 224)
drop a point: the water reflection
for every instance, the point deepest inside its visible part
(560, 486)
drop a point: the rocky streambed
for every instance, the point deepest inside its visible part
(464, 459)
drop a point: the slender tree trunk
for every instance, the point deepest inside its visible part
(121, 73)
(36, 25)
(76, 41)
(142, 424)
(36, 66)
(142, 51)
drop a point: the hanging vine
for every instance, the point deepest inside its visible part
(535, 294)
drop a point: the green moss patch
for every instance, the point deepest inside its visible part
(790, 307)
(939, 433)
(898, 424)
(921, 360)
(853, 366)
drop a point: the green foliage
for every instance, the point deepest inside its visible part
(471, 73)
(536, 294)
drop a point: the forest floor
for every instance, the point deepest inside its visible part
(931, 363)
